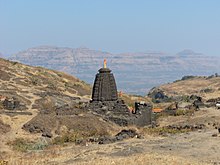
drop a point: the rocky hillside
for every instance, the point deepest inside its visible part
(36, 102)
(21, 81)
(206, 87)
(134, 72)
(44, 120)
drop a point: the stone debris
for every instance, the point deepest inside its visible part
(47, 134)
(186, 126)
(158, 96)
(11, 103)
(124, 134)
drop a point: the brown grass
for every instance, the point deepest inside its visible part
(4, 128)
(56, 157)
(194, 86)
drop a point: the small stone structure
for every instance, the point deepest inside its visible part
(145, 112)
(105, 102)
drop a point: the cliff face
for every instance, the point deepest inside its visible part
(134, 72)
(64, 59)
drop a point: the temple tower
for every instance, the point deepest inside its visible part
(104, 88)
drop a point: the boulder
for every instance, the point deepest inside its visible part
(47, 133)
(11, 103)
(158, 96)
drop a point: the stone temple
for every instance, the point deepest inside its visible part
(104, 88)
(106, 103)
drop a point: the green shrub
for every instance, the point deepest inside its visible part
(180, 112)
(34, 80)
(67, 137)
(184, 112)
(185, 98)
(76, 136)
(24, 145)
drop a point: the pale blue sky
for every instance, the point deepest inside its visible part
(111, 25)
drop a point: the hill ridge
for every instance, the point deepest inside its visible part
(149, 68)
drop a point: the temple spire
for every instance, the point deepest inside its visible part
(104, 88)
(105, 64)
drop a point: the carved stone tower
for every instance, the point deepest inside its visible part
(104, 88)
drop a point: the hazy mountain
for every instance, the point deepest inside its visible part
(134, 72)
(188, 52)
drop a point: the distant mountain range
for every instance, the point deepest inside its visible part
(135, 73)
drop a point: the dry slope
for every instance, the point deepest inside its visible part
(30, 98)
(203, 86)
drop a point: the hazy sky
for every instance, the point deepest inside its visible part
(111, 25)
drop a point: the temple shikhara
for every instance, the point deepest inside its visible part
(105, 102)
(104, 88)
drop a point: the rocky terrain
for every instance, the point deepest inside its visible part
(145, 69)
(37, 102)
(44, 120)
(206, 87)
(36, 94)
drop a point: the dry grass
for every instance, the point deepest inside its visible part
(197, 86)
(140, 159)
(143, 159)
(4, 128)
(164, 131)
(23, 145)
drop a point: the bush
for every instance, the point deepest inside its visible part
(185, 98)
(23, 145)
(180, 112)
(76, 137)
(68, 137)
(207, 90)
(35, 81)
(187, 77)
(164, 130)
